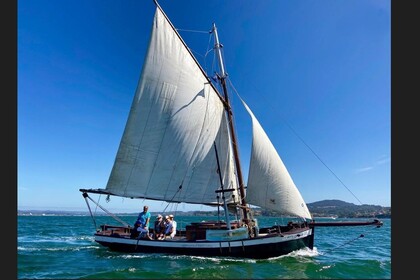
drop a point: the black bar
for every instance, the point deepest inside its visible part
(223, 191)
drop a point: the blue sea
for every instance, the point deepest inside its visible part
(62, 247)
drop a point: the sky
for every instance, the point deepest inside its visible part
(316, 74)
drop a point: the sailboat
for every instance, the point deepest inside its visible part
(180, 146)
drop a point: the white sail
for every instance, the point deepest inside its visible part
(270, 185)
(175, 117)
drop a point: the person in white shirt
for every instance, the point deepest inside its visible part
(170, 226)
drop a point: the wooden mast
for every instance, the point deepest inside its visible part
(228, 108)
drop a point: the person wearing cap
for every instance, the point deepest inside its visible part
(170, 226)
(142, 223)
(166, 223)
(159, 228)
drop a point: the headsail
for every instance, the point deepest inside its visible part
(175, 117)
(270, 185)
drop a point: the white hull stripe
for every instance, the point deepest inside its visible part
(203, 244)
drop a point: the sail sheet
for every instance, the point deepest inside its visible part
(166, 151)
(270, 185)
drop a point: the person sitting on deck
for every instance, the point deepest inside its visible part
(166, 223)
(170, 226)
(159, 228)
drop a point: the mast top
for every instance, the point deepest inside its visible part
(218, 47)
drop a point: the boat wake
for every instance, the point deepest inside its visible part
(305, 252)
(222, 259)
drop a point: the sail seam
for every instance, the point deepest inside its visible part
(198, 140)
(168, 119)
(134, 109)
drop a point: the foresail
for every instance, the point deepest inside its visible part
(167, 152)
(270, 185)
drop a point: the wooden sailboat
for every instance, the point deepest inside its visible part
(180, 145)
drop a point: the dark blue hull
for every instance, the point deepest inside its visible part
(259, 248)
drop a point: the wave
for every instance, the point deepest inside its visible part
(63, 249)
(55, 239)
(304, 252)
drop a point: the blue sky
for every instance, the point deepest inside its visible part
(316, 73)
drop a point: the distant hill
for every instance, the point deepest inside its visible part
(330, 203)
(324, 208)
(342, 209)
(339, 209)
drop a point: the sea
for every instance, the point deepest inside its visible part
(62, 247)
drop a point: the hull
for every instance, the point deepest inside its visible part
(257, 248)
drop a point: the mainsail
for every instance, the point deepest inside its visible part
(166, 151)
(270, 185)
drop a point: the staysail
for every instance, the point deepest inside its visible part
(166, 151)
(270, 185)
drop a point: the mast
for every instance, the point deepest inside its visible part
(222, 78)
(222, 191)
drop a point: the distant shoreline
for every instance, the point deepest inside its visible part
(86, 213)
(37, 213)
(332, 208)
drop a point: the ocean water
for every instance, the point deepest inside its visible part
(62, 247)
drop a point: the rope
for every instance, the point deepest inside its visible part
(137, 244)
(109, 213)
(350, 241)
(345, 243)
(90, 211)
(313, 152)
(189, 30)
(207, 52)
(208, 46)
(199, 31)
(204, 57)
(179, 188)
(96, 207)
(218, 209)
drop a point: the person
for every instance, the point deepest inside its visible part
(142, 223)
(167, 225)
(171, 226)
(159, 228)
